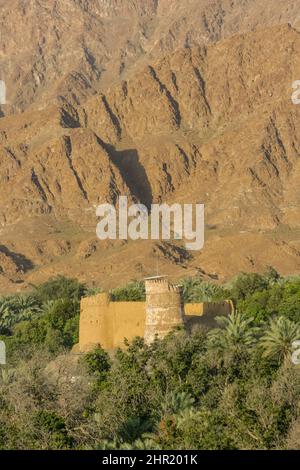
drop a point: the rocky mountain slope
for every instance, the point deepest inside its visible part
(65, 50)
(211, 123)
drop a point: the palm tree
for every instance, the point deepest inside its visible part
(147, 441)
(25, 302)
(188, 285)
(133, 428)
(26, 306)
(236, 333)
(197, 290)
(177, 402)
(93, 291)
(17, 308)
(207, 292)
(5, 313)
(277, 342)
(48, 306)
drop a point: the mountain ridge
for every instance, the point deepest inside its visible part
(213, 124)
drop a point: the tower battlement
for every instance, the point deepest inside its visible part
(164, 308)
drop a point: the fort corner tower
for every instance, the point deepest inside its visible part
(164, 308)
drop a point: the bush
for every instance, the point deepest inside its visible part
(54, 426)
(248, 283)
(59, 287)
(282, 298)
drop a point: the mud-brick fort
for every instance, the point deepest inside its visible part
(107, 323)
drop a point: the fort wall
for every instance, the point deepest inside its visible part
(107, 323)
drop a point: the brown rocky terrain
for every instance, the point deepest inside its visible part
(58, 51)
(210, 122)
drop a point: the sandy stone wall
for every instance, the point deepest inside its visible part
(205, 313)
(107, 323)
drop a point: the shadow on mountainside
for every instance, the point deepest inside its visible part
(133, 173)
(23, 264)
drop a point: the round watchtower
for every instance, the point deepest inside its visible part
(164, 308)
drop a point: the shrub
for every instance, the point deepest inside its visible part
(59, 287)
(248, 283)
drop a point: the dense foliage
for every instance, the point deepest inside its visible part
(232, 387)
(132, 292)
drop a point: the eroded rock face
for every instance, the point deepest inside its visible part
(214, 124)
(211, 123)
(66, 50)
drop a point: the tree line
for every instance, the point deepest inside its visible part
(230, 387)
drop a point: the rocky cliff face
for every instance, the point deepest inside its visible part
(67, 50)
(209, 122)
